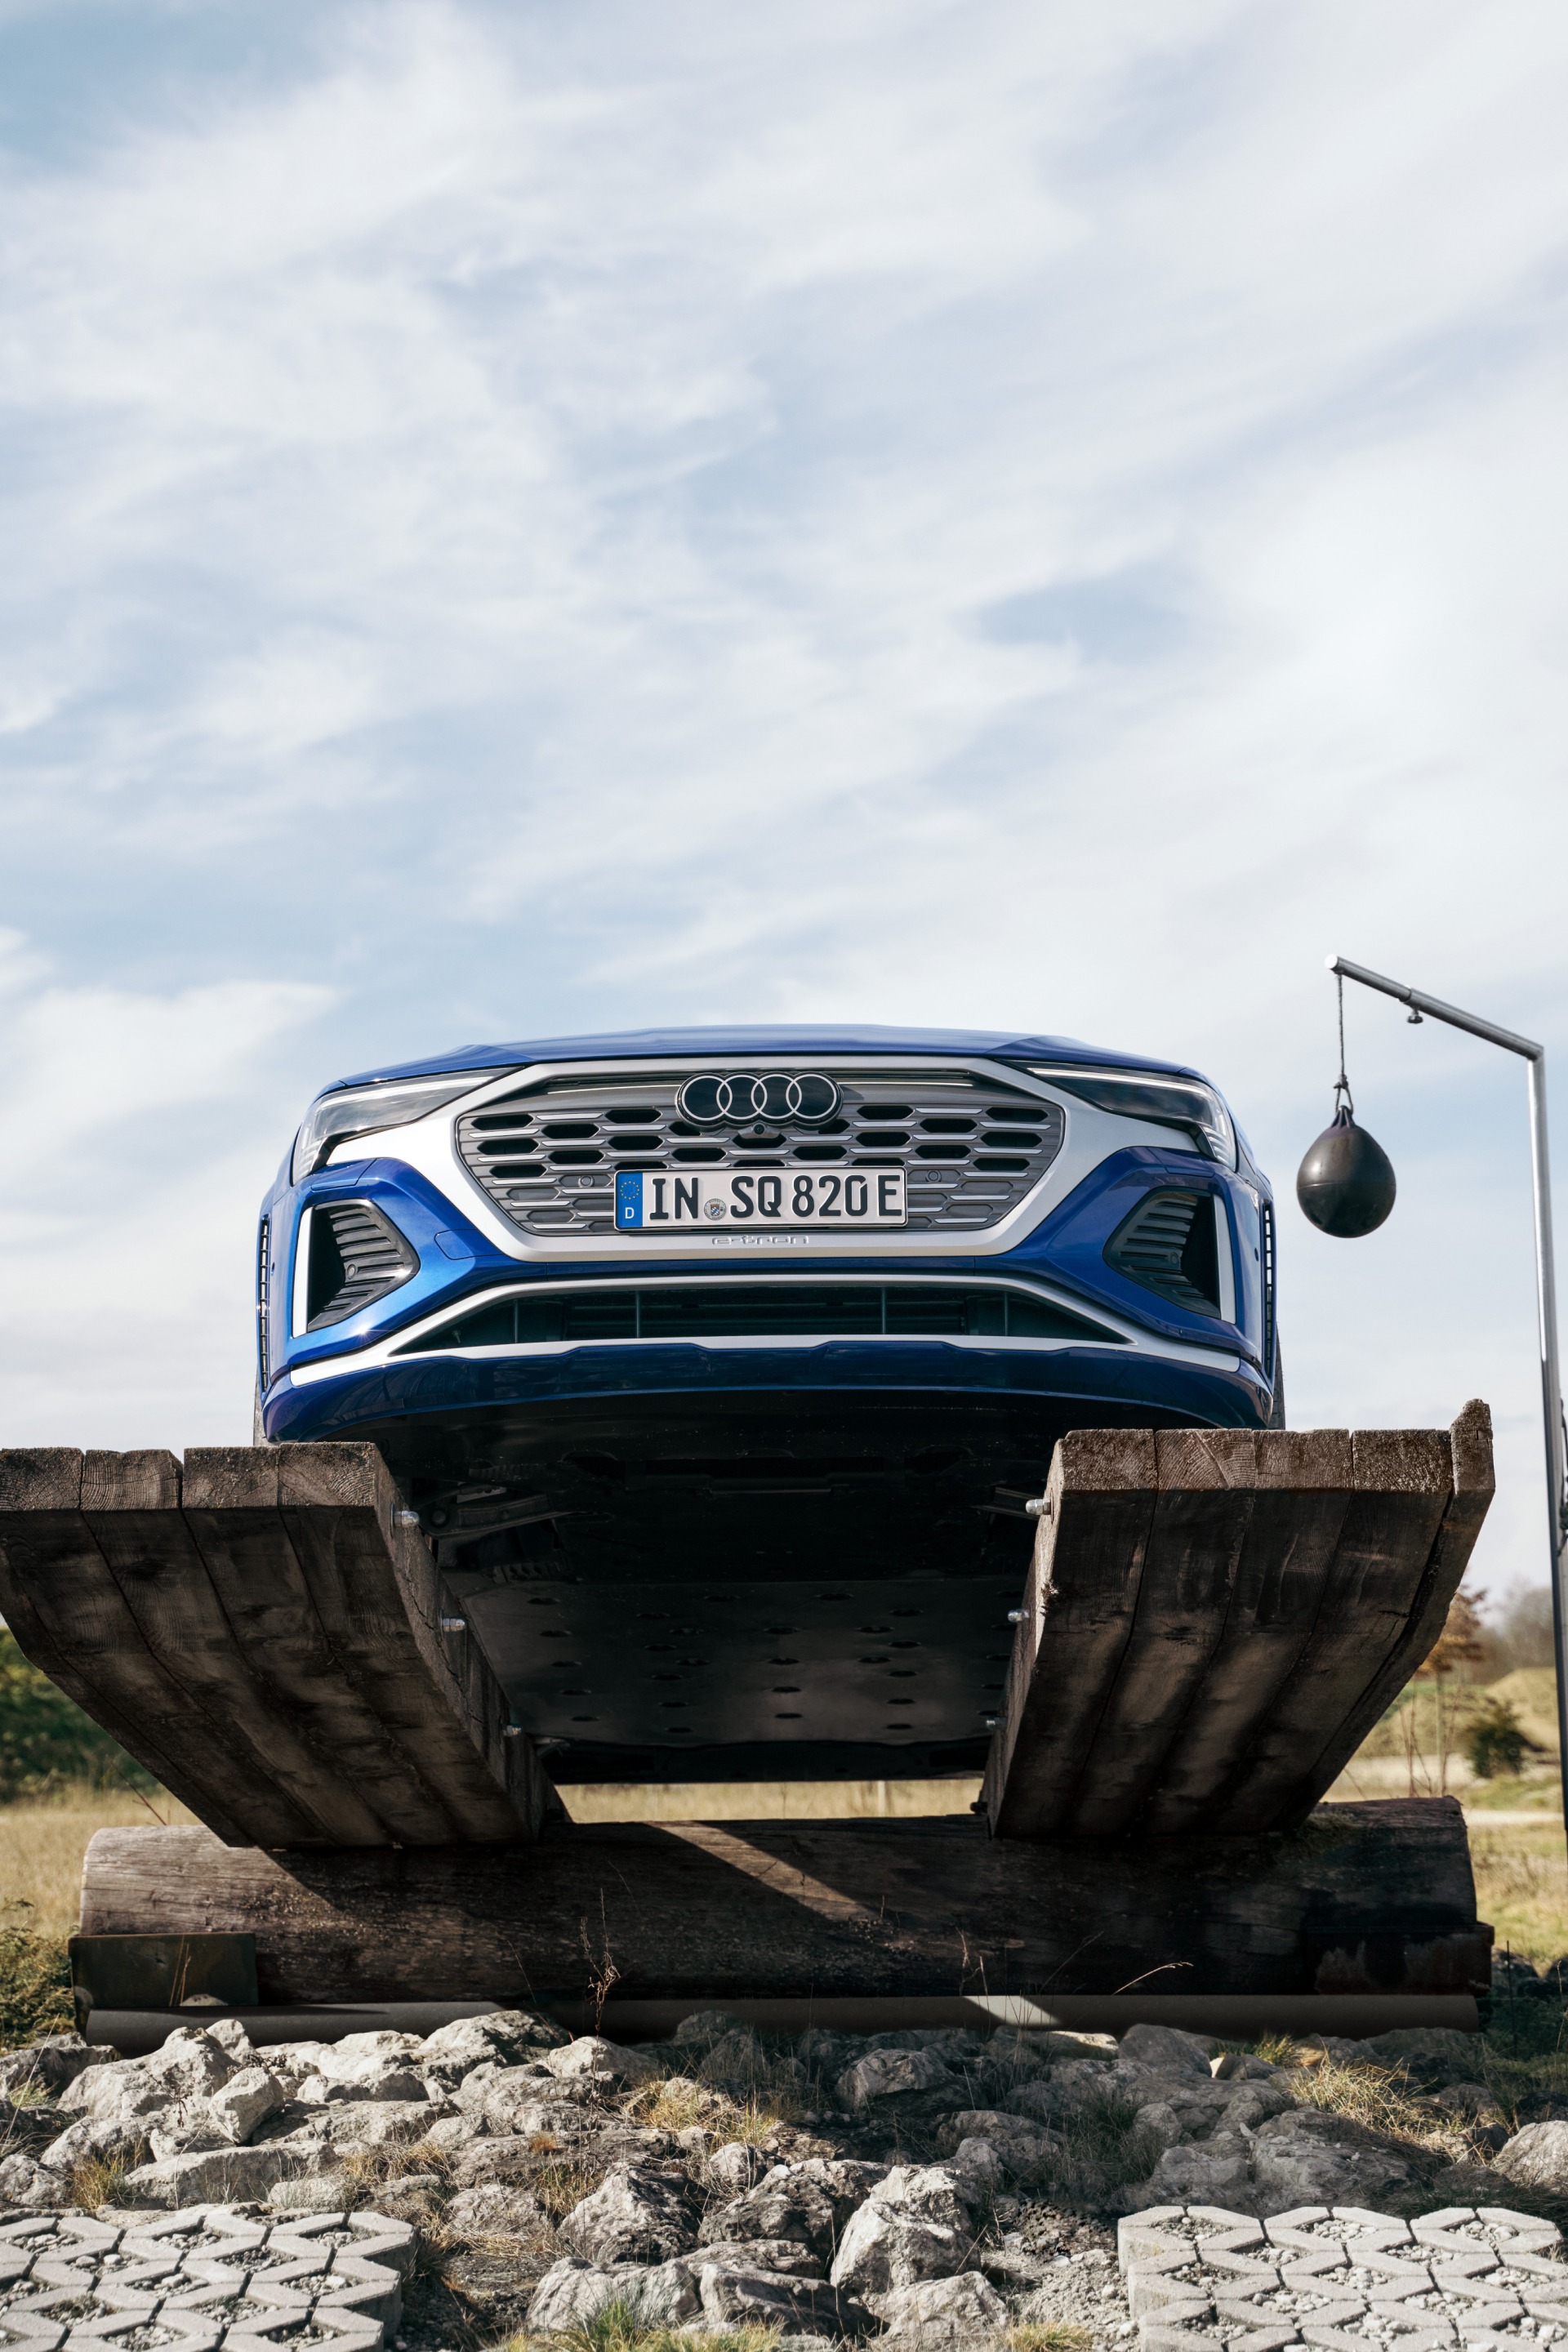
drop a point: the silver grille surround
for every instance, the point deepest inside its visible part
(972, 1146)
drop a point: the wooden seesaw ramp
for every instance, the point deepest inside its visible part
(1211, 1623)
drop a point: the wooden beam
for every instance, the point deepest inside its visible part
(1208, 1635)
(261, 1631)
(1366, 1898)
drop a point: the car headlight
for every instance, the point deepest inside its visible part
(1166, 1102)
(356, 1110)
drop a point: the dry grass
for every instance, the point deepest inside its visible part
(1049, 2335)
(1521, 1885)
(95, 2182)
(615, 2330)
(560, 2187)
(768, 1801)
(673, 2105)
(42, 1841)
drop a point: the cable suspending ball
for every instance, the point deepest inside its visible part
(1346, 1183)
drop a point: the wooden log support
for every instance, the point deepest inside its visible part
(1214, 1620)
(1364, 1898)
(263, 1631)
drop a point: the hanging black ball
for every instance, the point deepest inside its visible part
(1345, 1184)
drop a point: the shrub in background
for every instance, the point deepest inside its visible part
(1495, 1742)
(46, 1742)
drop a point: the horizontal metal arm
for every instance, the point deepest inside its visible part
(1438, 1011)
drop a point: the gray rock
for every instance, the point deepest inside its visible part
(1161, 2121)
(739, 2055)
(593, 2056)
(231, 2032)
(1022, 2147)
(516, 2156)
(52, 2063)
(320, 2192)
(734, 2169)
(190, 2065)
(1067, 2090)
(573, 2294)
(982, 2162)
(939, 2193)
(1165, 2049)
(959, 2311)
(496, 2210)
(1537, 2157)
(508, 2036)
(107, 2137)
(520, 2100)
(781, 2206)
(749, 2298)
(897, 2244)
(231, 2175)
(634, 2215)
(1310, 2157)
(375, 2123)
(1255, 2104)
(23, 2182)
(247, 2099)
(762, 2255)
(1199, 2176)
(1237, 2066)
(885, 2074)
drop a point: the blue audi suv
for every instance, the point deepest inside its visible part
(686, 1344)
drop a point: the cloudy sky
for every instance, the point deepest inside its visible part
(533, 517)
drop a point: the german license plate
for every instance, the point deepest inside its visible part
(752, 1199)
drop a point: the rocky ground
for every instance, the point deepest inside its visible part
(930, 2186)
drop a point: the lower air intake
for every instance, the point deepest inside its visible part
(356, 1256)
(720, 1310)
(1168, 1245)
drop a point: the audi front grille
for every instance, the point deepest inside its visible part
(972, 1146)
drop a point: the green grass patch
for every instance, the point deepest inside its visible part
(34, 1988)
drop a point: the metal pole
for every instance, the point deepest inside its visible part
(1545, 1297)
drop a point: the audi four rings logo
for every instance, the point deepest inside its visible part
(803, 1096)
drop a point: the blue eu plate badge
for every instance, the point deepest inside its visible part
(628, 1200)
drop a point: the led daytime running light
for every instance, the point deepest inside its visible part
(1186, 1103)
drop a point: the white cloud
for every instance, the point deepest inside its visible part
(142, 1131)
(521, 515)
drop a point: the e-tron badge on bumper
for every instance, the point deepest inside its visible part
(752, 1199)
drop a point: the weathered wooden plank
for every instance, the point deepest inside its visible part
(131, 1502)
(1203, 1510)
(69, 1617)
(380, 1600)
(1303, 1491)
(231, 1508)
(1474, 1483)
(1078, 1603)
(1367, 1898)
(1402, 1481)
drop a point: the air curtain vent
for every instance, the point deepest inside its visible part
(356, 1256)
(1268, 1307)
(263, 1305)
(1168, 1245)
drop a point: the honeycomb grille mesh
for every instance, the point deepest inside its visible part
(972, 1146)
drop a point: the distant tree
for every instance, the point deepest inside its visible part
(1495, 1742)
(1526, 1627)
(46, 1740)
